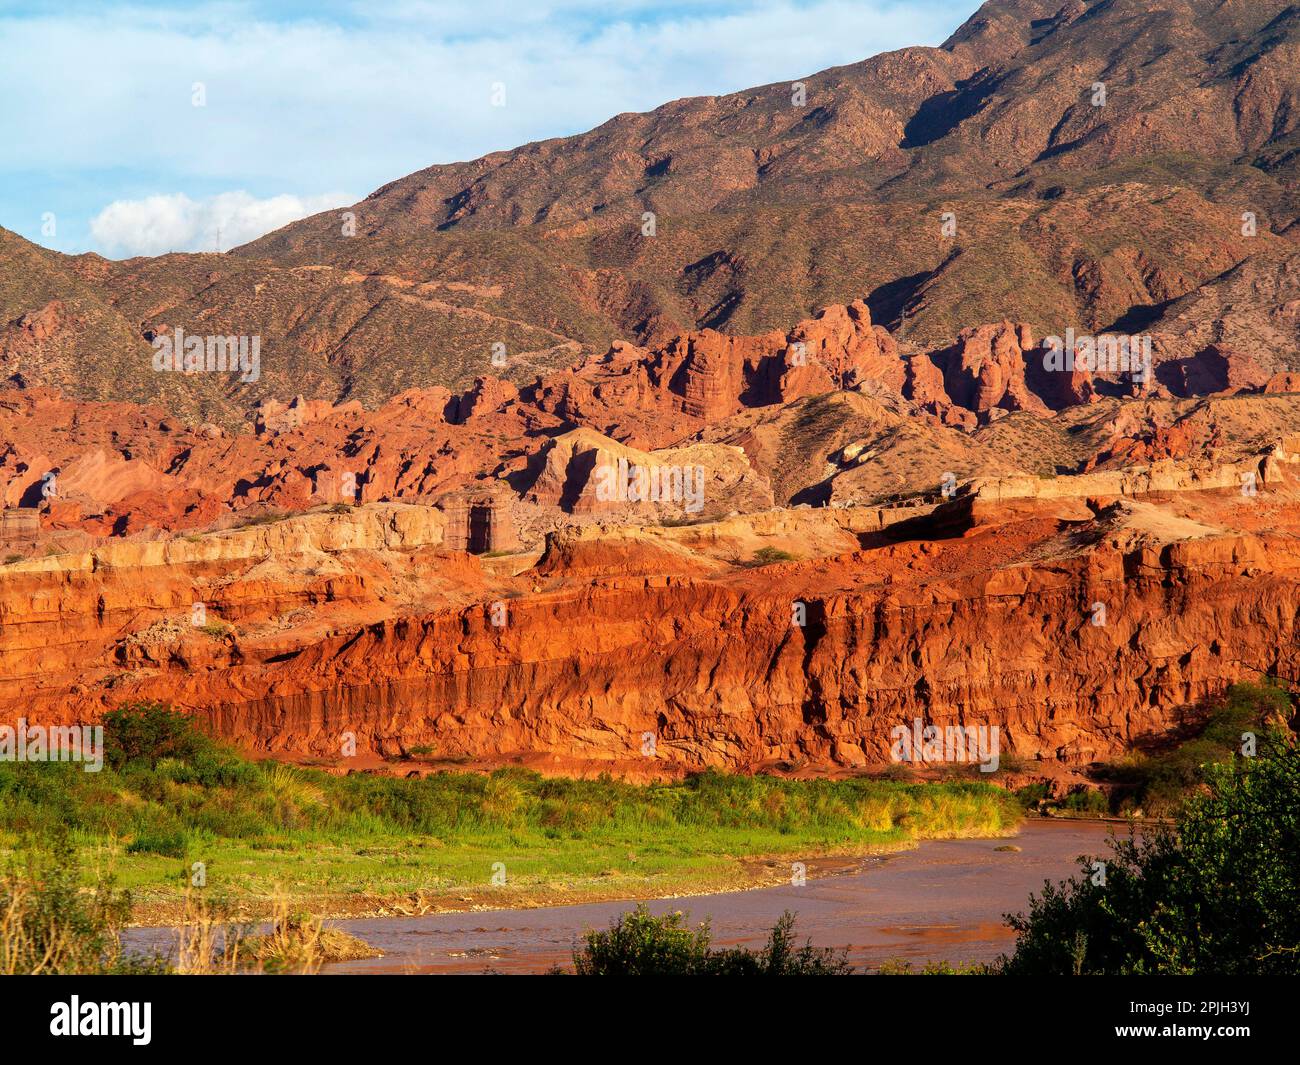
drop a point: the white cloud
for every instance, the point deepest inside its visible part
(349, 94)
(158, 224)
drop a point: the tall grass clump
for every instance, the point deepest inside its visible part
(50, 926)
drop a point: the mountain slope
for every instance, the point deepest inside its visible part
(1061, 215)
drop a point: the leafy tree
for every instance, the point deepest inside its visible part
(148, 732)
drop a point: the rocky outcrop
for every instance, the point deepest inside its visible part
(803, 662)
(985, 371)
(486, 395)
(1210, 371)
(583, 472)
(479, 521)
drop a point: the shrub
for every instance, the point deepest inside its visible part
(640, 944)
(147, 732)
(766, 556)
(1087, 801)
(49, 926)
(266, 517)
(1034, 793)
(1217, 894)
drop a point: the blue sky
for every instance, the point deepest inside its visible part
(306, 106)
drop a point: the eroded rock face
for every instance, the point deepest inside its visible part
(703, 377)
(985, 370)
(124, 469)
(119, 469)
(1212, 370)
(584, 472)
(616, 635)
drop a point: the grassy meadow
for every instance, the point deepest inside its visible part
(169, 797)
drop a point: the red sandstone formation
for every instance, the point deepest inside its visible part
(364, 622)
(119, 469)
(447, 565)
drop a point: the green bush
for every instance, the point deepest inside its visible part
(1087, 801)
(1157, 784)
(50, 926)
(148, 731)
(766, 556)
(640, 944)
(1219, 893)
(1034, 793)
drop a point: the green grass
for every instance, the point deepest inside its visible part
(267, 828)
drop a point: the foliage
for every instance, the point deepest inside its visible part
(641, 944)
(1219, 893)
(766, 556)
(148, 732)
(49, 926)
(1158, 783)
(169, 795)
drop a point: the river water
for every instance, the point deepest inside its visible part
(941, 901)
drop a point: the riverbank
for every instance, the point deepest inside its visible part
(683, 876)
(937, 901)
(173, 811)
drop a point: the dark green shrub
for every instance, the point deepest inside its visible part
(640, 944)
(1087, 801)
(1217, 894)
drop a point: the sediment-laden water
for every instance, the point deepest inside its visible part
(944, 900)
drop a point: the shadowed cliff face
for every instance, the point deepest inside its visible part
(736, 686)
(362, 624)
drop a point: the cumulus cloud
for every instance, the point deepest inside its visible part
(158, 224)
(349, 94)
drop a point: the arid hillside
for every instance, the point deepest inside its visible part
(1084, 166)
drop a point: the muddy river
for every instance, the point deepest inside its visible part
(942, 901)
